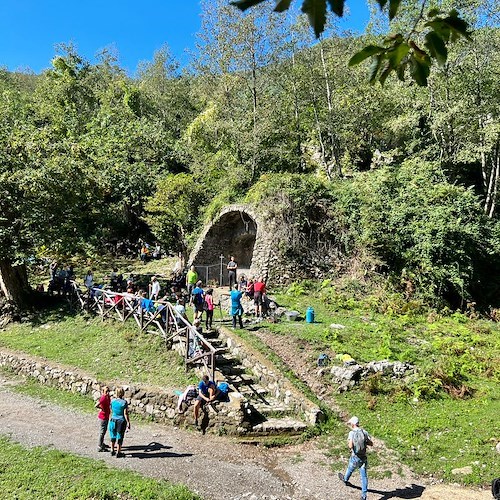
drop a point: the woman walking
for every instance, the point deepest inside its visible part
(236, 307)
(119, 423)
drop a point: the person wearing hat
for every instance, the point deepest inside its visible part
(358, 440)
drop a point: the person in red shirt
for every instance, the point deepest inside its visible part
(104, 404)
(259, 290)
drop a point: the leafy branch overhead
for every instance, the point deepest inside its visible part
(399, 53)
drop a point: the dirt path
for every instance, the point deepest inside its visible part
(215, 467)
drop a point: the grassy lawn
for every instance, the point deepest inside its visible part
(110, 351)
(45, 474)
(443, 417)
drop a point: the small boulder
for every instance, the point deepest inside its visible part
(462, 470)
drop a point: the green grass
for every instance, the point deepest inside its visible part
(110, 351)
(432, 429)
(46, 474)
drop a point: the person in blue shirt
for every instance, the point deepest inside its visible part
(236, 307)
(207, 392)
(197, 298)
(118, 423)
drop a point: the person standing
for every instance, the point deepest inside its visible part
(209, 308)
(154, 288)
(88, 281)
(104, 404)
(236, 307)
(191, 280)
(197, 298)
(232, 266)
(118, 423)
(259, 292)
(358, 441)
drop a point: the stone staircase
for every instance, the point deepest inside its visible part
(271, 404)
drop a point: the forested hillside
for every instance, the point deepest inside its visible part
(399, 180)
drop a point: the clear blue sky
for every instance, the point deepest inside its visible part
(30, 29)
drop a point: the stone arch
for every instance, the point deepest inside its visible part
(238, 231)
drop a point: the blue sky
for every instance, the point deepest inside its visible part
(30, 29)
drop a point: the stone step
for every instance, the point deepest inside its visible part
(225, 359)
(274, 426)
(233, 370)
(253, 392)
(241, 379)
(271, 406)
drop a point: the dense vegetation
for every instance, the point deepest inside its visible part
(398, 180)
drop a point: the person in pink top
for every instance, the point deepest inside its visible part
(259, 292)
(209, 308)
(104, 404)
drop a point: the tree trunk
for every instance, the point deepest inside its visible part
(14, 283)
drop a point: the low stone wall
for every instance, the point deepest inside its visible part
(153, 402)
(269, 377)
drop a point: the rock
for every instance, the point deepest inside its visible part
(336, 326)
(498, 447)
(463, 470)
(346, 373)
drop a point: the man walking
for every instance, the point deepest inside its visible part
(358, 440)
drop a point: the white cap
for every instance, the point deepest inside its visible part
(353, 421)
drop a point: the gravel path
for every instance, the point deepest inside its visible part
(215, 467)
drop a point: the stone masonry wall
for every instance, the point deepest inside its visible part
(146, 401)
(268, 376)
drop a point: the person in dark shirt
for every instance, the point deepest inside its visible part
(232, 266)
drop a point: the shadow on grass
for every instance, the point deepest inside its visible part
(52, 308)
(152, 450)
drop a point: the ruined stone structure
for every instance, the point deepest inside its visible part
(238, 230)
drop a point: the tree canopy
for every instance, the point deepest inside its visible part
(401, 176)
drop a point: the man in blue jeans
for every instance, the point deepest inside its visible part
(358, 440)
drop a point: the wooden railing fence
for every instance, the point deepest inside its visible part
(161, 319)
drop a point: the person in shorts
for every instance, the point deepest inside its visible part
(118, 423)
(207, 392)
(259, 290)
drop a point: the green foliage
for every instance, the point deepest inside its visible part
(174, 210)
(44, 473)
(399, 52)
(444, 415)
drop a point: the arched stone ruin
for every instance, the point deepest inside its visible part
(238, 230)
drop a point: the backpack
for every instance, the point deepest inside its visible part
(191, 394)
(495, 488)
(224, 391)
(323, 360)
(197, 299)
(359, 442)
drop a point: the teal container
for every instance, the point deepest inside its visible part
(310, 315)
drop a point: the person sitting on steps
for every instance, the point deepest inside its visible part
(207, 392)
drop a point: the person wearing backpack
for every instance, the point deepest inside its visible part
(197, 299)
(358, 440)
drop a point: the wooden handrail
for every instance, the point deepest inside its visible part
(126, 305)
